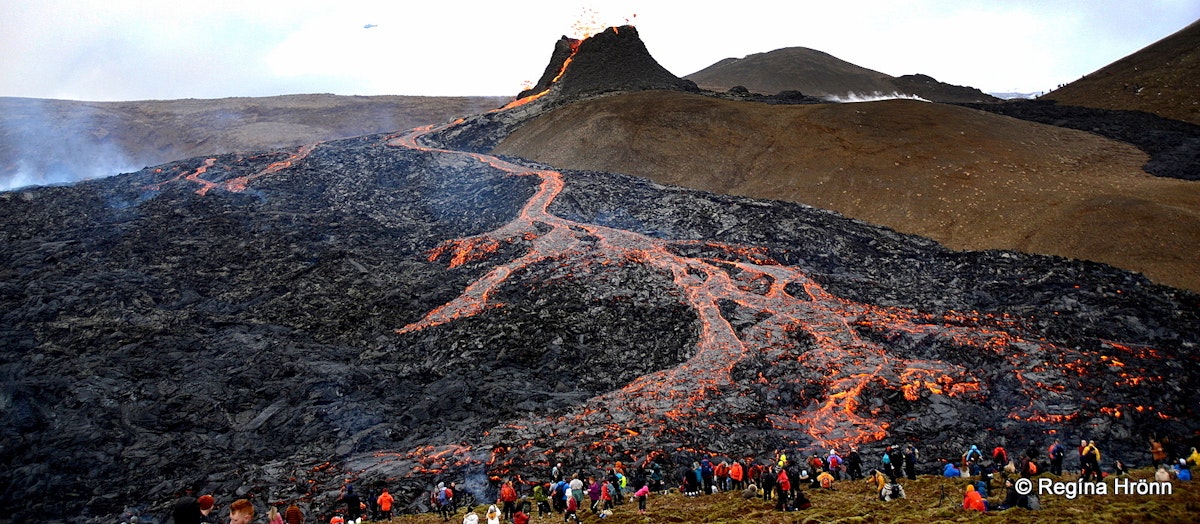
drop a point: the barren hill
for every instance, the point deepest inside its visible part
(48, 141)
(1162, 78)
(966, 178)
(817, 73)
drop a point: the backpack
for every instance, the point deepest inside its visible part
(896, 491)
(1031, 468)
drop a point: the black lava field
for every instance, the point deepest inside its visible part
(405, 309)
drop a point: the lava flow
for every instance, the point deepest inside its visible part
(846, 352)
(235, 184)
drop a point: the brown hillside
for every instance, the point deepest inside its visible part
(801, 69)
(1163, 79)
(815, 73)
(968, 179)
(40, 135)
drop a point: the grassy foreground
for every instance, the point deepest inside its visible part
(856, 502)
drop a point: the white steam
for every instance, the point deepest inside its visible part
(871, 97)
(45, 142)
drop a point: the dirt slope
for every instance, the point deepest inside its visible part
(1162, 78)
(968, 179)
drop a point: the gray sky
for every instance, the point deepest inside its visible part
(133, 50)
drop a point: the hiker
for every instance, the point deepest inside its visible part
(572, 508)
(972, 501)
(854, 464)
(1161, 474)
(493, 515)
(706, 476)
(891, 491)
(1157, 452)
(949, 471)
(385, 501)
(656, 477)
(541, 499)
(353, 504)
(834, 464)
(1056, 452)
(721, 476)
(1090, 461)
(767, 476)
(816, 466)
(594, 487)
(443, 497)
(1182, 472)
(606, 495)
(273, 516)
(520, 517)
(783, 487)
(1011, 498)
(508, 498)
(910, 461)
(641, 495)
(825, 480)
(999, 456)
(738, 475)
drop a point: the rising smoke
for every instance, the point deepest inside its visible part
(44, 142)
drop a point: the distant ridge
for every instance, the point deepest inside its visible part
(816, 73)
(1162, 78)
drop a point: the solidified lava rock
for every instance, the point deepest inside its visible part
(275, 325)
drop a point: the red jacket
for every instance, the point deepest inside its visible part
(508, 494)
(784, 483)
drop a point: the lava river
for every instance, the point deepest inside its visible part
(799, 320)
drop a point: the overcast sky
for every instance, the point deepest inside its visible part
(134, 50)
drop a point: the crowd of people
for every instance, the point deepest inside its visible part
(566, 494)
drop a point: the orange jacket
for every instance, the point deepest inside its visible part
(385, 501)
(973, 500)
(735, 471)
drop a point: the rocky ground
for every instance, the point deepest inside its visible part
(245, 342)
(400, 309)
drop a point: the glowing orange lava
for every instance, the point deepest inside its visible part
(234, 184)
(692, 391)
